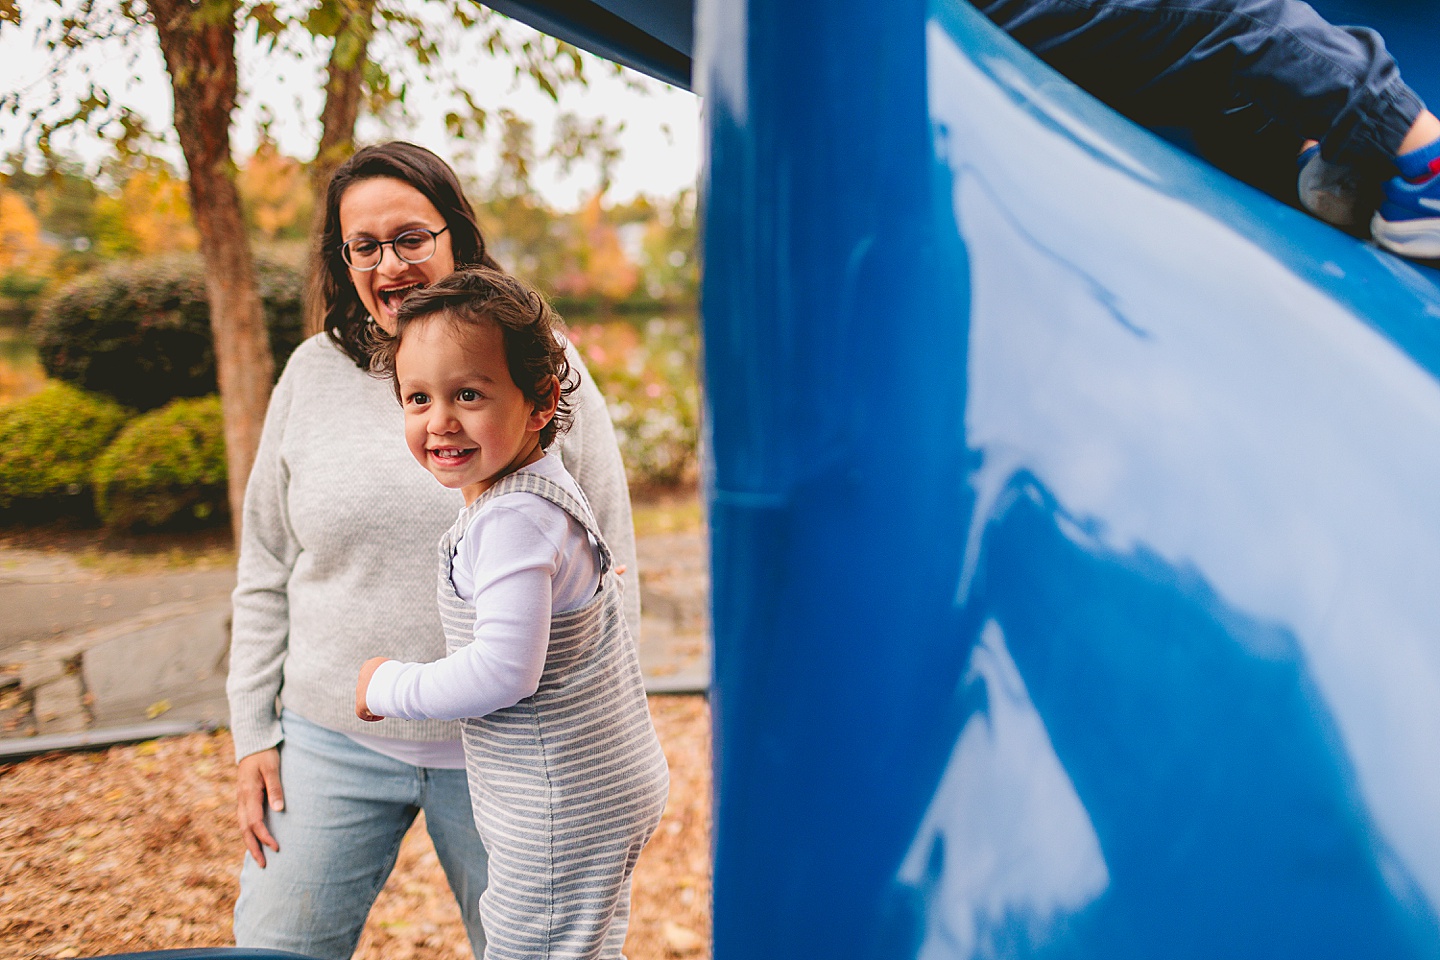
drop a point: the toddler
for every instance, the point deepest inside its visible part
(567, 779)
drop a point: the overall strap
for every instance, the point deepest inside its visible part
(526, 482)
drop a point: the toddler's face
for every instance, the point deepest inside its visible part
(465, 420)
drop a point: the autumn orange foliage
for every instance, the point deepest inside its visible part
(276, 193)
(599, 266)
(22, 249)
(149, 215)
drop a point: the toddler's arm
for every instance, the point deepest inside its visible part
(512, 598)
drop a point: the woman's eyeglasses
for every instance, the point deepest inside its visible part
(412, 246)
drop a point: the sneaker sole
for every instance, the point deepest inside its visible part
(1332, 193)
(1419, 239)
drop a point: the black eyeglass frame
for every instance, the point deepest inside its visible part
(382, 244)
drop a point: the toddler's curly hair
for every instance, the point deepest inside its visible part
(533, 334)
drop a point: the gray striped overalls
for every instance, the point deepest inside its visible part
(568, 784)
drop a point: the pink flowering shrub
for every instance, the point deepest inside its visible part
(647, 373)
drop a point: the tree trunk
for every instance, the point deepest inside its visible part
(198, 40)
(343, 87)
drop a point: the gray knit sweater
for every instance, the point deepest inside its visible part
(337, 554)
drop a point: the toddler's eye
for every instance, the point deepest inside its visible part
(419, 399)
(469, 396)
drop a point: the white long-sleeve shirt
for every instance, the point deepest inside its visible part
(521, 558)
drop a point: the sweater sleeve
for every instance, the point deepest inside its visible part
(515, 563)
(260, 626)
(591, 453)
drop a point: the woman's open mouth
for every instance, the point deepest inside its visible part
(392, 297)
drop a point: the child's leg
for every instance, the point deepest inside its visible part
(619, 924)
(1336, 193)
(565, 893)
(1408, 222)
(1179, 62)
(1339, 195)
(1425, 132)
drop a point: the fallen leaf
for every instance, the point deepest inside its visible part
(680, 939)
(157, 708)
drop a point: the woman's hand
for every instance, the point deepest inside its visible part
(257, 780)
(362, 684)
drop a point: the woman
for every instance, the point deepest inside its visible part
(337, 565)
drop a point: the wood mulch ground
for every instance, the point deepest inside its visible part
(135, 848)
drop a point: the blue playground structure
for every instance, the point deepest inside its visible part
(1075, 517)
(1075, 510)
(1076, 523)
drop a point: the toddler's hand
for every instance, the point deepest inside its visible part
(362, 683)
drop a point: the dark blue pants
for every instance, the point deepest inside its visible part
(1226, 70)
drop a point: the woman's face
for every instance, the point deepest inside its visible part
(382, 209)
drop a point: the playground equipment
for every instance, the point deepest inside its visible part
(1075, 517)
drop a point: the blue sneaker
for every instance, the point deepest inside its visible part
(1332, 192)
(1408, 222)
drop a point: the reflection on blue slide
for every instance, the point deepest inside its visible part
(1076, 522)
(1205, 554)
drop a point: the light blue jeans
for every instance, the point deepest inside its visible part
(346, 810)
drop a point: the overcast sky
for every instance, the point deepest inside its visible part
(660, 139)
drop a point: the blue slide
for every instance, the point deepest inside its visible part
(1075, 516)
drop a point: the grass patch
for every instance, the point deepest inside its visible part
(118, 553)
(182, 557)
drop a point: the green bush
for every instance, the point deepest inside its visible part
(20, 295)
(48, 443)
(139, 331)
(167, 467)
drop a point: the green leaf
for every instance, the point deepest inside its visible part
(268, 24)
(325, 19)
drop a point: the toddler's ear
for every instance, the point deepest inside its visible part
(544, 409)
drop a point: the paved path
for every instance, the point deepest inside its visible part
(675, 606)
(47, 595)
(83, 652)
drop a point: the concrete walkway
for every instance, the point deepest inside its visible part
(83, 653)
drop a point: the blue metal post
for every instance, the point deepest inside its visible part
(834, 364)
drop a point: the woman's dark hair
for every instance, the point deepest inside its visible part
(333, 305)
(533, 334)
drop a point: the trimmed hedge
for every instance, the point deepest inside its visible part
(49, 442)
(166, 467)
(140, 331)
